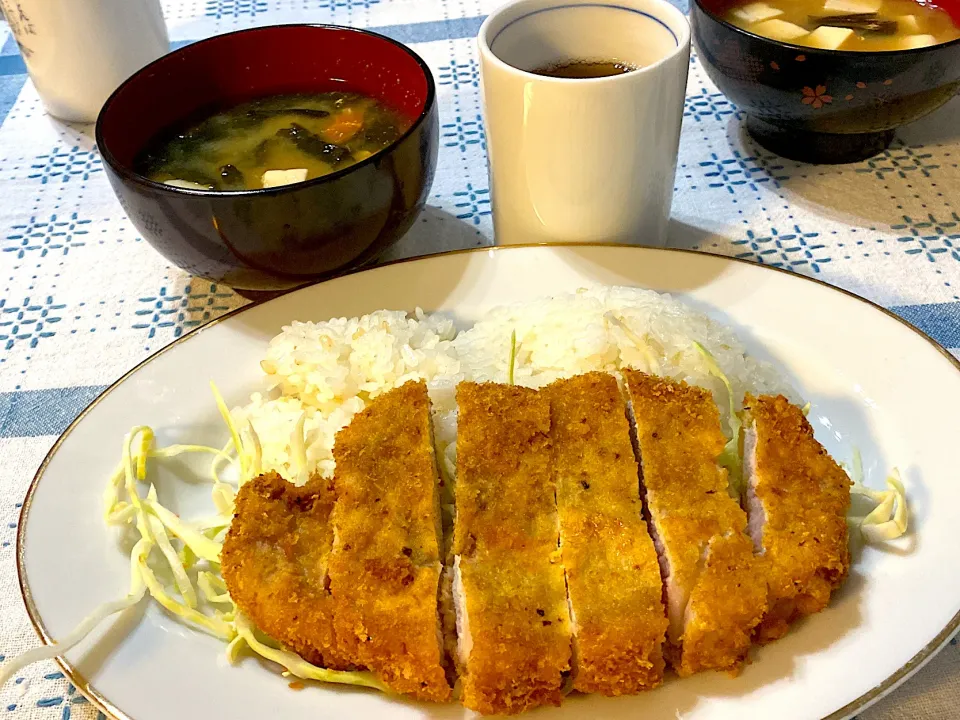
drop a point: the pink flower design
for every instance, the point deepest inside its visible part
(817, 98)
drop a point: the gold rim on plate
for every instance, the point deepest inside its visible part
(114, 713)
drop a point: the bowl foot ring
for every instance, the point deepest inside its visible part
(817, 147)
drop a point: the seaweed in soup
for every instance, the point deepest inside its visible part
(863, 22)
(312, 144)
(381, 131)
(231, 178)
(234, 148)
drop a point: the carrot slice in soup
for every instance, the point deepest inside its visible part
(344, 126)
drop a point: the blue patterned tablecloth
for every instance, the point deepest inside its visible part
(83, 298)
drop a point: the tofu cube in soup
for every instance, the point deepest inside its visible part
(828, 38)
(911, 42)
(779, 30)
(757, 12)
(908, 24)
(275, 178)
(852, 7)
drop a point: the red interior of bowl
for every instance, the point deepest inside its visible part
(231, 68)
(719, 7)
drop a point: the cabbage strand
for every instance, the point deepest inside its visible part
(177, 562)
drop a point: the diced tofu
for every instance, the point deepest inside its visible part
(908, 24)
(852, 7)
(828, 37)
(186, 184)
(778, 30)
(275, 178)
(756, 12)
(917, 41)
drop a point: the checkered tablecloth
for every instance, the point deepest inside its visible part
(83, 298)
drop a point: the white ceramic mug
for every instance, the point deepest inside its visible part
(79, 51)
(583, 159)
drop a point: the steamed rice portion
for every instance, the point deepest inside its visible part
(606, 328)
(328, 371)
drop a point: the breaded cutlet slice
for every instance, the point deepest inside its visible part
(796, 499)
(274, 562)
(385, 565)
(715, 589)
(613, 578)
(512, 617)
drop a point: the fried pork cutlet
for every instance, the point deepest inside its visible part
(512, 615)
(797, 499)
(274, 561)
(613, 579)
(715, 591)
(385, 565)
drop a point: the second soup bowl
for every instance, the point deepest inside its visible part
(821, 106)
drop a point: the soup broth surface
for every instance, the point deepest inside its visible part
(865, 25)
(272, 141)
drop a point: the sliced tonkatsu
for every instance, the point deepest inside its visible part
(512, 616)
(595, 540)
(385, 564)
(274, 562)
(715, 590)
(613, 578)
(796, 498)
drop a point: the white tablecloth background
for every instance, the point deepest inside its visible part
(83, 298)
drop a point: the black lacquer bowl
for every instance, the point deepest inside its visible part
(821, 106)
(277, 238)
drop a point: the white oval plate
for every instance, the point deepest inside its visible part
(875, 383)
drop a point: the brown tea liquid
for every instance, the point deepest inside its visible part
(580, 69)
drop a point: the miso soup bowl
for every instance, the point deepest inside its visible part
(273, 239)
(822, 106)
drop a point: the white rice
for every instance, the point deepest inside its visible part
(330, 370)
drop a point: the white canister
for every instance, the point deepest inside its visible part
(583, 160)
(79, 51)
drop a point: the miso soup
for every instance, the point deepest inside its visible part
(865, 25)
(272, 141)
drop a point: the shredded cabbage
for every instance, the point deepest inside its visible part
(513, 356)
(730, 457)
(177, 561)
(84, 628)
(298, 449)
(642, 343)
(296, 665)
(888, 519)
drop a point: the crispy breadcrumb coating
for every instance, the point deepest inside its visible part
(613, 578)
(798, 498)
(512, 602)
(715, 591)
(274, 561)
(385, 565)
